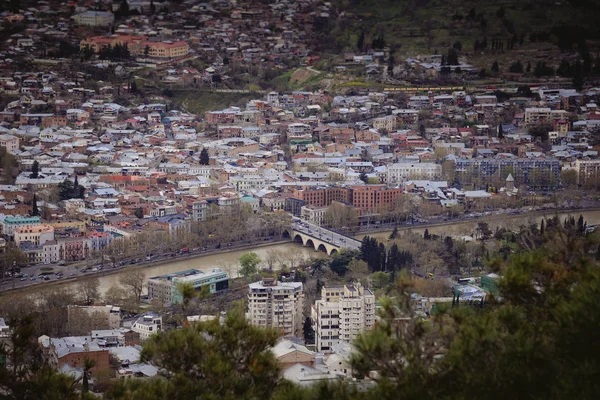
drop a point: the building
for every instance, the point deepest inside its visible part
(37, 234)
(276, 304)
(314, 215)
(342, 314)
(543, 173)
(164, 287)
(10, 143)
(147, 325)
(73, 351)
(323, 196)
(10, 224)
(288, 353)
(535, 115)
(588, 171)
(401, 172)
(374, 197)
(94, 18)
(138, 46)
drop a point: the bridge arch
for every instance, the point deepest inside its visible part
(286, 234)
(322, 248)
(298, 239)
(309, 243)
(333, 251)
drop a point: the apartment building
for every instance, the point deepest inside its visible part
(276, 304)
(543, 173)
(342, 314)
(94, 18)
(374, 197)
(36, 234)
(138, 45)
(588, 171)
(323, 196)
(401, 172)
(10, 224)
(387, 123)
(10, 143)
(406, 116)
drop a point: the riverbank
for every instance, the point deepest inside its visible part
(105, 273)
(486, 218)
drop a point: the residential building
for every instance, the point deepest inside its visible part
(374, 197)
(147, 325)
(138, 45)
(535, 115)
(103, 317)
(401, 172)
(10, 143)
(342, 314)
(94, 18)
(74, 351)
(588, 171)
(37, 234)
(276, 304)
(312, 214)
(11, 223)
(164, 287)
(537, 172)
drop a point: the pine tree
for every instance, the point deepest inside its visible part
(426, 234)
(308, 331)
(35, 170)
(34, 207)
(204, 158)
(394, 233)
(500, 132)
(495, 67)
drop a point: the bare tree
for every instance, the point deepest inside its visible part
(134, 280)
(89, 290)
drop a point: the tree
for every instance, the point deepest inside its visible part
(204, 158)
(528, 69)
(568, 178)
(495, 67)
(88, 364)
(139, 213)
(34, 207)
(35, 170)
(456, 46)
(124, 9)
(308, 331)
(363, 177)
(249, 264)
(223, 360)
(516, 67)
(394, 233)
(89, 290)
(360, 41)
(134, 280)
(500, 132)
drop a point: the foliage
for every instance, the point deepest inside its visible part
(89, 290)
(204, 158)
(70, 190)
(249, 264)
(308, 331)
(134, 280)
(229, 360)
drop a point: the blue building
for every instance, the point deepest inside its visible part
(164, 287)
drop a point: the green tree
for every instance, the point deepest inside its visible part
(34, 207)
(139, 213)
(495, 67)
(394, 233)
(249, 264)
(204, 157)
(308, 331)
(229, 360)
(35, 170)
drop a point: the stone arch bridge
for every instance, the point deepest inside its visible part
(321, 239)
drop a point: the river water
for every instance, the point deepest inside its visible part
(229, 261)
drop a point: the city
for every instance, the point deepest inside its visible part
(299, 199)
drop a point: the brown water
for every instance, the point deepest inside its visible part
(227, 261)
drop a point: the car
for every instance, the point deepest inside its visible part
(46, 278)
(23, 279)
(33, 278)
(94, 269)
(72, 274)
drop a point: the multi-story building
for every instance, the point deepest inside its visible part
(387, 123)
(10, 143)
(374, 197)
(324, 196)
(314, 215)
(37, 234)
(543, 173)
(342, 314)
(99, 240)
(147, 325)
(406, 117)
(588, 171)
(138, 46)
(94, 18)
(104, 317)
(10, 224)
(276, 304)
(51, 252)
(165, 287)
(400, 172)
(199, 210)
(534, 115)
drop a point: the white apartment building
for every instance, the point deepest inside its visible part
(147, 325)
(387, 123)
(51, 252)
(314, 215)
(276, 304)
(401, 172)
(533, 115)
(342, 314)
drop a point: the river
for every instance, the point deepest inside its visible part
(230, 260)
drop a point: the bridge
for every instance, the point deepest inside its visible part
(321, 239)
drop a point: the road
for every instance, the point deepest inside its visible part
(326, 235)
(86, 268)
